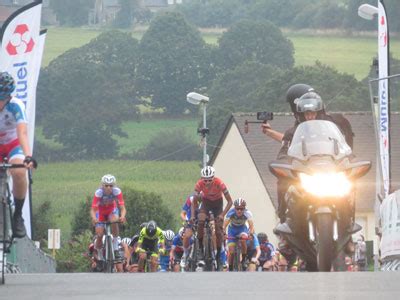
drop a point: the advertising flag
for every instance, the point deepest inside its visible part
(21, 52)
(383, 90)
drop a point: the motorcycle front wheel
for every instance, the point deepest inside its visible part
(325, 244)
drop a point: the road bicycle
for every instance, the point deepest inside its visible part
(238, 264)
(108, 248)
(192, 259)
(6, 214)
(209, 244)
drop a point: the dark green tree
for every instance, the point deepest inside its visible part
(42, 221)
(261, 42)
(173, 61)
(72, 13)
(86, 93)
(125, 14)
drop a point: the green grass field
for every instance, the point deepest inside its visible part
(351, 54)
(66, 185)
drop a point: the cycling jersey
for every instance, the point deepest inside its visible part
(267, 251)
(108, 202)
(214, 191)
(157, 238)
(12, 114)
(235, 220)
(177, 243)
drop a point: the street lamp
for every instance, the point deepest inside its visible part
(367, 11)
(198, 99)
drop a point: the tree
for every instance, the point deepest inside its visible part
(42, 221)
(173, 61)
(72, 13)
(261, 42)
(86, 93)
(124, 16)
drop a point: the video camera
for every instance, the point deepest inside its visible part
(262, 117)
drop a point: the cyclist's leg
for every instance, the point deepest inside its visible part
(154, 262)
(113, 217)
(20, 186)
(99, 229)
(231, 245)
(200, 231)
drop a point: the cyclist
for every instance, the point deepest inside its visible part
(151, 240)
(107, 203)
(14, 146)
(125, 251)
(253, 253)
(132, 265)
(236, 221)
(165, 257)
(95, 266)
(213, 190)
(186, 216)
(176, 254)
(267, 258)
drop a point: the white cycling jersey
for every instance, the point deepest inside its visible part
(12, 114)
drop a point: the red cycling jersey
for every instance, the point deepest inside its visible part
(214, 191)
(107, 202)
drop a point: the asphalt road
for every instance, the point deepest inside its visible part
(207, 286)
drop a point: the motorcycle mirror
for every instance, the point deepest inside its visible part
(281, 170)
(359, 169)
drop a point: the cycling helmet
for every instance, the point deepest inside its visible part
(108, 179)
(169, 235)
(181, 231)
(7, 85)
(151, 228)
(262, 237)
(296, 91)
(207, 172)
(126, 241)
(134, 240)
(239, 202)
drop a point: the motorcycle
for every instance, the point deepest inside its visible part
(320, 197)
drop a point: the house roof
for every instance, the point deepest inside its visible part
(263, 150)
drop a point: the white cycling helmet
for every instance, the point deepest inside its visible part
(127, 241)
(169, 235)
(207, 172)
(239, 202)
(108, 179)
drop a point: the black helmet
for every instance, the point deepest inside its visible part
(134, 240)
(262, 237)
(151, 228)
(296, 91)
(310, 101)
(7, 85)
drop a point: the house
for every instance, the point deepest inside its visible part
(242, 159)
(7, 7)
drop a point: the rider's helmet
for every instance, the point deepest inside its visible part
(108, 179)
(262, 237)
(7, 85)
(295, 92)
(310, 101)
(169, 235)
(181, 231)
(239, 202)
(151, 228)
(134, 240)
(126, 240)
(208, 172)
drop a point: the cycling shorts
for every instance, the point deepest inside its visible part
(105, 215)
(12, 150)
(236, 231)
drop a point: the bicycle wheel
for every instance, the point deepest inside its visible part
(237, 266)
(109, 255)
(208, 252)
(2, 241)
(192, 259)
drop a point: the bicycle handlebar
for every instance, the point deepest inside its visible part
(11, 166)
(109, 223)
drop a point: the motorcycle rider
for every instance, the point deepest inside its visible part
(308, 107)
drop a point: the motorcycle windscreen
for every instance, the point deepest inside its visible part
(318, 137)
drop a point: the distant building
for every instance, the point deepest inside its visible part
(7, 7)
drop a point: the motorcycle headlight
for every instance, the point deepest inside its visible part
(326, 184)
